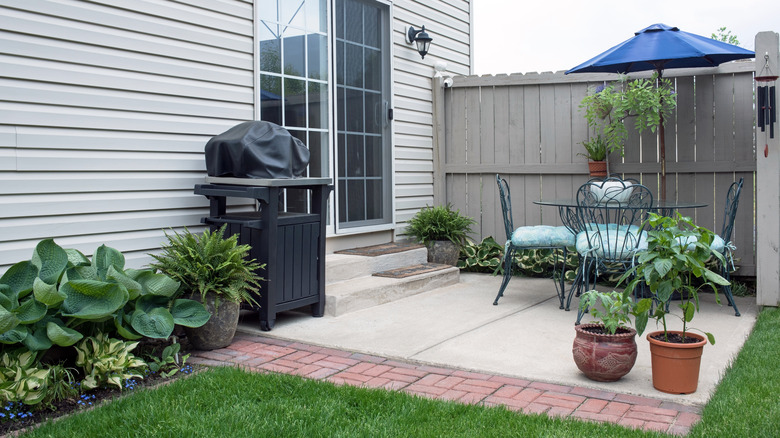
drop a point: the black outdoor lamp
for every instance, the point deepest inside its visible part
(421, 38)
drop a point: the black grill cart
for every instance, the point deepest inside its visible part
(291, 244)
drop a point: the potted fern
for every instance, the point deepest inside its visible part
(442, 230)
(216, 271)
(596, 153)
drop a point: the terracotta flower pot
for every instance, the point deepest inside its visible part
(597, 168)
(604, 357)
(676, 366)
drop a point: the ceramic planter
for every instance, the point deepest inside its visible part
(676, 366)
(220, 329)
(604, 357)
(597, 168)
(443, 252)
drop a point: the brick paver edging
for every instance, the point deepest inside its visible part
(344, 367)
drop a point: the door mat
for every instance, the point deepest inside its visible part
(382, 249)
(408, 271)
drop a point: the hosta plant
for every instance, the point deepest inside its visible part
(107, 361)
(59, 296)
(22, 379)
(169, 362)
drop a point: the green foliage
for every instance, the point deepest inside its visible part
(488, 256)
(22, 379)
(608, 107)
(676, 257)
(107, 361)
(595, 149)
(169, 362)
(60, 296)
(483, 257)
(612, 309)
(439, 223)
(210, 263)
(725, 36)
(61, 384)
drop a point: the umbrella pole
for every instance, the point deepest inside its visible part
(662, 148)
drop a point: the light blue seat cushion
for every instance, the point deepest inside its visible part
(717, 243)
(611, 241)
(542, 235)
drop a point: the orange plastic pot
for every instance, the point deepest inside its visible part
(676, 366)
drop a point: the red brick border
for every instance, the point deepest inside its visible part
(343, 367)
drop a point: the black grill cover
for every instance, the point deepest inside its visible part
(256, 149)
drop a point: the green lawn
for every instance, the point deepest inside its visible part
(232, 403)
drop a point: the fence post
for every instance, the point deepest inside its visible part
(767, 190)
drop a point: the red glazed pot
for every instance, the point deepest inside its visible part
(676, 366)
(604, 357)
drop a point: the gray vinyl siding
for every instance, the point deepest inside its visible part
(104, 113)
(448, 22)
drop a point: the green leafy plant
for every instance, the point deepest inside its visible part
(169, 362)
(61, 384)
(107, 361)
(675, 260)
(607, 107)
(439, 223)
(210, 263)
(613, 309)
(60, 295)
(485, 256)
(22, 378)
(595, 149)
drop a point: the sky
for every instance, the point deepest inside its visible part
(517, 36)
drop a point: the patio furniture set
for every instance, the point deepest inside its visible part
(606, 224)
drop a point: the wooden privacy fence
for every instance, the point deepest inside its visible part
(529, 127)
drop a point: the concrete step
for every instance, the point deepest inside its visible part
(343, 267)
(368, 291)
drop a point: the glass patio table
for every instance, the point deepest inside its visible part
(567, 209)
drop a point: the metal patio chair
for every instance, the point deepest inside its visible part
(612, 215)
(531, 237)
(722, 242)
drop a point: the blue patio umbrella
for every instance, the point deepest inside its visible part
(660, 47)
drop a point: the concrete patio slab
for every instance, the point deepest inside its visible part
(526, 336)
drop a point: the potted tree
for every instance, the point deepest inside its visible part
(608, 106)
(606, 350)
(214, 270)
(442, 230)
(675, 264)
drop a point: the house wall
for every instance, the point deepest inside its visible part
(104, 112)
(448, 23)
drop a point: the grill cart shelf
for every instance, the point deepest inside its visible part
(292, 245)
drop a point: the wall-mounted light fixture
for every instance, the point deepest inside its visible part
(421, 38)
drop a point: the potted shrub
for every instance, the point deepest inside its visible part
(596, 153)
(214, 270)
(442, 230)
(606, 351)
(675, 262)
